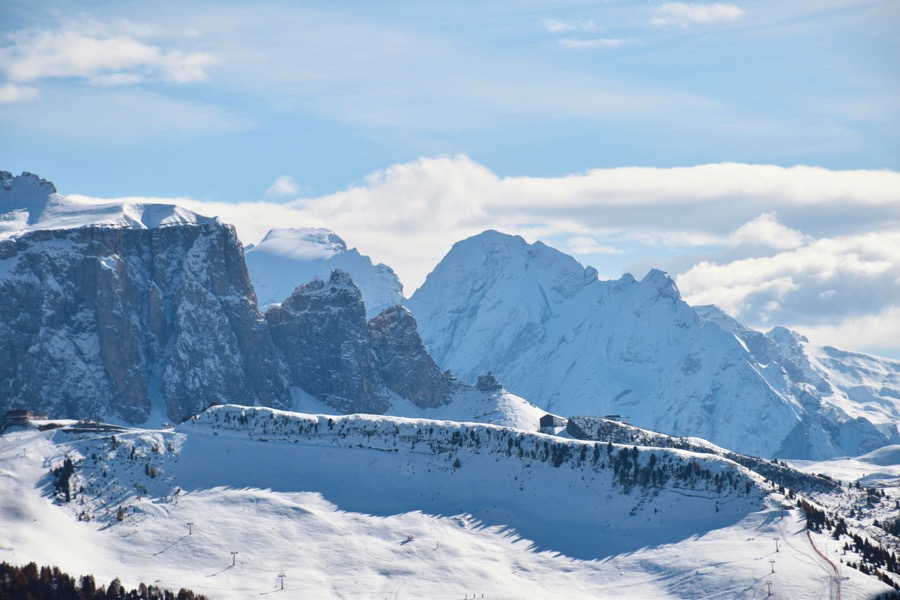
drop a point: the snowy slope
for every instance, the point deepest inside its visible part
(556, 335)
(286, 258)
(859, 389)
(29, 203)
(477, 406)
(880, 468)
(468, 405)
(374, 507)
(862, 385)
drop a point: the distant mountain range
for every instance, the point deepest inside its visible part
(146, 312)
(140, 313)
(149, 312)
(555, 334)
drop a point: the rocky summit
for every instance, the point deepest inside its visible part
(321, 330)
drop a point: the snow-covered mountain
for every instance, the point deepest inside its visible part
(826, 380)
(131, 310)
(555, 334)
(134, 312)
(286, 258)
(239, 500)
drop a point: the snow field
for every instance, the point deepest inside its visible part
(359, 511)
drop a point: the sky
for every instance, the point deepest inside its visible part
(749, 149)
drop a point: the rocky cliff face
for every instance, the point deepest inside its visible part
(321, 331)
(332, 353)
(404, 364)
(102, 320)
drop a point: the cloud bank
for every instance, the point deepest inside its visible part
(805, 247)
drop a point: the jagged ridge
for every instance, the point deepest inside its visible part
(574, 345)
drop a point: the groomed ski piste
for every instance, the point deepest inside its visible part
(238, 501)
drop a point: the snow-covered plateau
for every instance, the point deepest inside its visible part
(230, 501)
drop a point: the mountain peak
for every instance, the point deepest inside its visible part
(8, 181)
(500, 256)
(286, 258)
(783, 335)
(339, 283)
(492, 235)
(525, 312)
(340, 278)
(661, 281)
(26, 192)
(302, 242)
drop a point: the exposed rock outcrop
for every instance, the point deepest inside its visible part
(404, 364)
(123, 310)
(321, 331)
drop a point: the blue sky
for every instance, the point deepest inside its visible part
(376, 118)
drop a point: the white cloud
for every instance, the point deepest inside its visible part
(106, 54)
(765, 230)
(875, 332)
(282, 187)
(10, 92)
(824, 280)
(116, 79)
(682, 14)
(409, 215)
(180, 67)
(591, 43)
(554, 26)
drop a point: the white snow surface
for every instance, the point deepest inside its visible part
(880, 468)
(287, 258)
(476, 406)
(574, 345)
(32, 204)
(863, 385)
(372, 507)
(556, 335)
(466, 406)
(859, 385)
